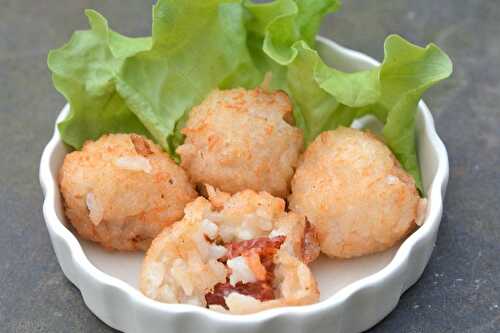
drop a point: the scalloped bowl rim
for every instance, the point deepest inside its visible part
(435, 192)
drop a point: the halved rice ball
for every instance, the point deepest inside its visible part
(240, 253)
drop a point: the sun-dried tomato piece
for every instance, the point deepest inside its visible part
(216, 297)
(260, 290)
(263, 247)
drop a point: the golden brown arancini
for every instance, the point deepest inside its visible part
(122, 190)
(353, 190)
(238, 139)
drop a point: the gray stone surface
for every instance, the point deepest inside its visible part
(460, 289)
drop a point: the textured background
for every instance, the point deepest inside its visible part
(460, 289)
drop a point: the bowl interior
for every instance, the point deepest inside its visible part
(332, 275)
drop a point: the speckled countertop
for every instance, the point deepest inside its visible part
(460, 289)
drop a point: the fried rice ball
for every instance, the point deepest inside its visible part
(122, 190)
(240, 253)
(353, 190)
(238, 139)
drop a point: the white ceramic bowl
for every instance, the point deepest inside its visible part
(356, 294)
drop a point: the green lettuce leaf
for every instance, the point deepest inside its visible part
(197, 47)
(274, 27)
(326, 98)
(202, 45)
(84, 71)
(148, 85)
